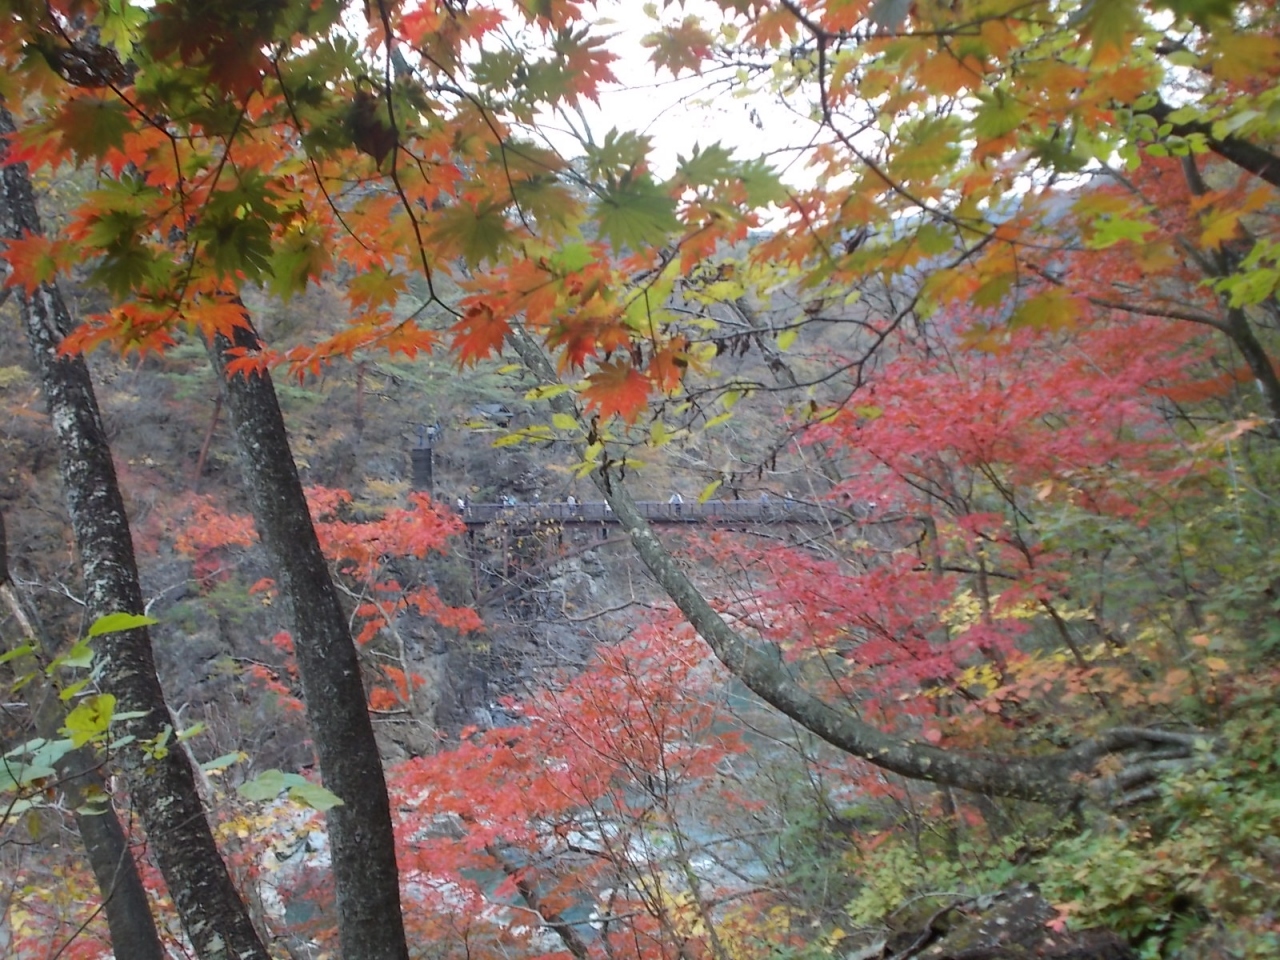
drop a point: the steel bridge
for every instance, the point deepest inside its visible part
(734, 512)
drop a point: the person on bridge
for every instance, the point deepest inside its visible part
(677, 501)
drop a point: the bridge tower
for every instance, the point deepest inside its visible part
(420, 458)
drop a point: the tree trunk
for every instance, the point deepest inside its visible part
(124, 898)
(160, 781)
(360, 831)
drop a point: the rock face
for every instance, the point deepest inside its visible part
(1011, 925)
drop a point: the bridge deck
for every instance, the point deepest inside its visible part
(659, 512)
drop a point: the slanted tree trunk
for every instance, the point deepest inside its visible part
(1051, 778)
(124, 898)
(360, 832)
(160, 781)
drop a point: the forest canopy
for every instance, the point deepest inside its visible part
(979, 311)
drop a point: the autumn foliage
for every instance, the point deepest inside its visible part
(991, 305)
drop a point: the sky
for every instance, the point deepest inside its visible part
(681, 113)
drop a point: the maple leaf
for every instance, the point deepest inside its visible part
(617, 388)
(1240, 58)
(998, 115)
(408, 338)
(300, 257)
(477, 233)
(617, 156)
(635, 214)
(713, 165)
(668, 365)
(375, 287)
(1110, 25)
(90, 125)
(478, 334)
(32, 260)
(1053, 309)
(682, 47)
(584, 62)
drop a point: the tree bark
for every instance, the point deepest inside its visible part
(106, 846)
(360, 830)
(1247, 156)
(160, 781)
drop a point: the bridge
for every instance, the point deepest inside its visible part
(734, 512)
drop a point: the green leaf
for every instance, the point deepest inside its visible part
(315, 796)
(1051, 310)
(118, 623)
(572, 257)
(91, 126)
(127, 268)
(476, 233)
(71, 691)
(636, 214)
(497, 70)
(269, 784)
(679, 47)
(16, 652)
(617, 156)
(993, 291)
(1109, 231)
(705, 167)
(761, 184)
(1109, 24)
(998, 115)
(935, 240)
(51, 751)
(120, 23)
(787, 337)
(224, 761)
(14, 776)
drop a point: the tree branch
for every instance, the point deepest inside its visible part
(1048, 779)
(1245, 155)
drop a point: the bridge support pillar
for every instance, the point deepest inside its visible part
(420, 459)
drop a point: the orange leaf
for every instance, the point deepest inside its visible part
(667, 366)
(479, 333)
(617, 388)
(34, 262)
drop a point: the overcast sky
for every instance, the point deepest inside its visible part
(678, 114)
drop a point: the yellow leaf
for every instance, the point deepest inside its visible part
(90, 719)
(1219, 226)
(1242, 57)
(1216, 664)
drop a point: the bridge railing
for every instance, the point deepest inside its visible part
(760, 511)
